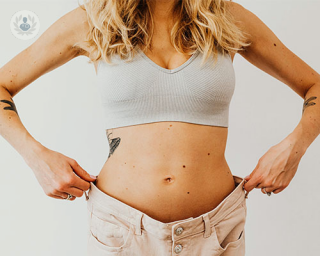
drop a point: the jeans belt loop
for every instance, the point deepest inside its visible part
(138, 230)
(207, 228)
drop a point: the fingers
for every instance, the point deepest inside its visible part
(252, 183)
(79, 183)
(278, 190)
(79, 171)
(266, 184)
(266, 190)
(64, 177)
(274, 189)
(60, 195)
(248, 177)
(65, 196)
(73, 185)
(274, 185)
(261, 178)
(69, 183)
(73, 191)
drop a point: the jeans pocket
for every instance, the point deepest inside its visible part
(230, 232)
(110, 233)
(234, 247)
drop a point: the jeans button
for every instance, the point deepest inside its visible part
(178, 248)
(179, 231)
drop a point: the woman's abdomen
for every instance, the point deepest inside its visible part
(167, 193)
(167, 170)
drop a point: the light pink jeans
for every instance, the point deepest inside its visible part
(116, 228)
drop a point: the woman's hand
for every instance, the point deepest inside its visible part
(58, 174)
(277, 167)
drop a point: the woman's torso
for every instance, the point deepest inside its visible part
(168, 170)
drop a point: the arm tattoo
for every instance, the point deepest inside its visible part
(11, 106)
(307, 103)
(113, 143)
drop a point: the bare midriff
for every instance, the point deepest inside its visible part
(167, 170)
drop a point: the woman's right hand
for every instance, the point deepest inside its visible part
(58, 174)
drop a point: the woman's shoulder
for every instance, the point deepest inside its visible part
(78, 21)
(236, 9)
(244, 19)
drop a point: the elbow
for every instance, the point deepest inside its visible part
(317, 84)
(6, 89)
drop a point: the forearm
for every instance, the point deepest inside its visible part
(309, 126)
(12, 129)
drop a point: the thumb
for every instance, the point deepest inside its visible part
(81, 172)
(248, 177)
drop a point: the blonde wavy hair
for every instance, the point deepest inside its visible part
(118, 26)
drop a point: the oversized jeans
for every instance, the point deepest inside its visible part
(116, 228)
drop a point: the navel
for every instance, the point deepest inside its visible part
(169, 179)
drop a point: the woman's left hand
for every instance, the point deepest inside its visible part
(277, 167)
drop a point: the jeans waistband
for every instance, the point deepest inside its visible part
(139, 220)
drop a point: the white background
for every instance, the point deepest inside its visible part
(62, 110)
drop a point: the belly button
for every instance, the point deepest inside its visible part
(169, 179)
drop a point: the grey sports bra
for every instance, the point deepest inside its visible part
(141, 91)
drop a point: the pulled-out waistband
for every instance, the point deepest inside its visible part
(99, 202)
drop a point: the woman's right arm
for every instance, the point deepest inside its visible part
(56, 173)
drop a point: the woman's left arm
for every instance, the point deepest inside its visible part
(277, 167)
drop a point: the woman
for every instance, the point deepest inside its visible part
(166, 188)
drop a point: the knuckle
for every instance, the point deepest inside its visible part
(283, 184)
(268, 183)
(261, 161)
(260, 178)
(59, 187)
(48, 193)
(73, 162)
(277, 186)
(55, 191)
(69, 179)
(259, 165)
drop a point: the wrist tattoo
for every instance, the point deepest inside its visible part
(307, 103)
(11, 106)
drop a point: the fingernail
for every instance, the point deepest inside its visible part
(246, 177)
(93, 176)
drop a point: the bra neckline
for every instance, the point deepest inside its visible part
(170, 71)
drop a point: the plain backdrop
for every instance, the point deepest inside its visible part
(62, 110)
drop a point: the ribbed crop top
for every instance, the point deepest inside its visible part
(141, 91)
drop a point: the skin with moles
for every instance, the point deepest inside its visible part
(169, 170)
(190, 163)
